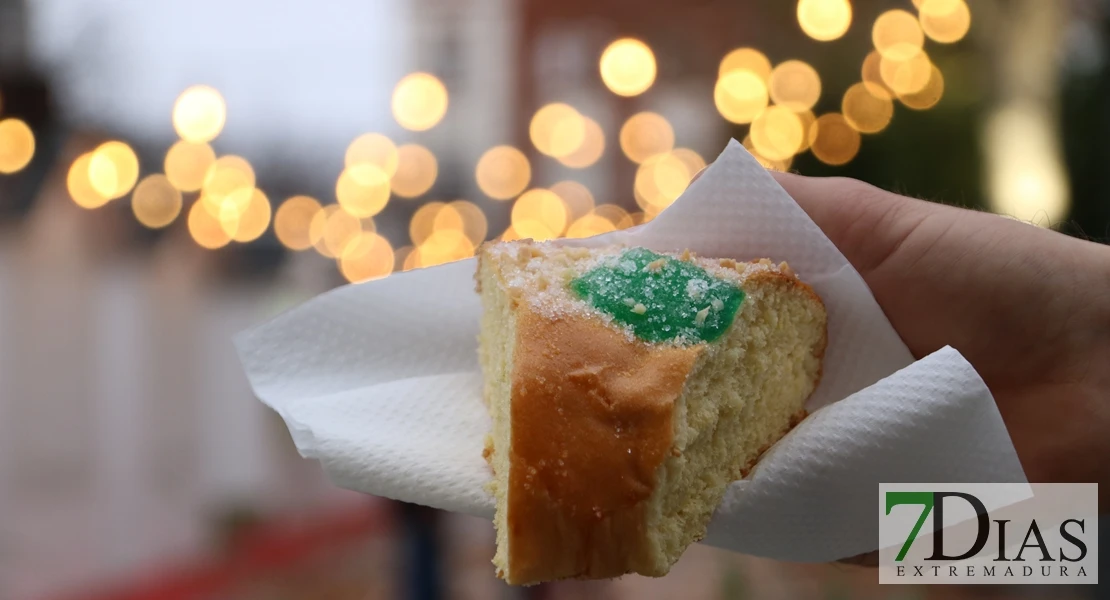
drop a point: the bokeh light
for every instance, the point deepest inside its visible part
(834, 141)
(363, 189)
(224, 177)
(367, 256)
(187, 164)
(416, 171)
(155, 201)
(945, 21)
(576, 197)
(422, 224)
(557, 129)
(867, 107)
(616, 215)
(740, 96)
(246, 221)
(591, 148)
(419, 101)
(373, 149)
(17, 145)
(644, 135)
(693, 161)
(906, 76)
(824, 20)
(589, 225)
(871, 72)
(464, 216)
(660, 180)
(292, 221)
(539, 214)
(331, 229)
(1025, 176)
(778, 133)
(928, 96)
(79, 187)
(503, 172)
(745, 59)
(113, 169)
(627, 67)
(206, 229)
(897, 35)
(199, 114)
(767, 163)
(795, 85)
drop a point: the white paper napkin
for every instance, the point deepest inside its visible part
(380, 382)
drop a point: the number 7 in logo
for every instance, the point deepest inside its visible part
(923, 498)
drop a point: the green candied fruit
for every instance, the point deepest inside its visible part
(660, 298)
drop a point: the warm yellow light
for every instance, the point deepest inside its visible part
(199, 114)
(591, 148)
(503, 172)
(246, 221)
(945, 21)
(906, 76)
(539, 214)
(557, 129)
(155, 201)
(615, 215)
(363, 189)
(767, 163)
(871, 72)
(443, 246)
(590, 225)
(795, 85)
(745, 59)
(79, 186)
(628, 67)
(740, 96)
(778, 133)
(576, 197)
(292, 221)
(186, 164)
(419, 101)
(832, 140)
(644, 135)
(693, 161)
(17, 145)
(368, 256)
(331, 229)
(373, 149)
(463, 216)
(660, 180)
(416, 171)
(824, 20)
(928, 96)
(897, 35)
(867, 107)
(205, 228)
(113, 169)
(400, 257)
(1025, 175)
(228, 175)
(422, 224)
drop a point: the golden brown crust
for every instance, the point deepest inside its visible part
(592, 422)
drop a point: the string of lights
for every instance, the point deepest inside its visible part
(775, 101)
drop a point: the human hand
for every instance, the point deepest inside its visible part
(1029, 308)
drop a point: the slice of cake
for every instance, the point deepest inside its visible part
(628, 388)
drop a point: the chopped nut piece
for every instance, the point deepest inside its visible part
(629, 302)
(785, 268)
(717, 304)
(728, 263)
(686, 255)
(639, 309)
(655, 265)
(765, 261)
(699, 319)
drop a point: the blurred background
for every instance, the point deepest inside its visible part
(172, 172)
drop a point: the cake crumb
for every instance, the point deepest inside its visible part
(686, 255)
(699, 319)
(728, 263)
(765, 261)
(655, 265)
(785, 268)
(639, 309)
